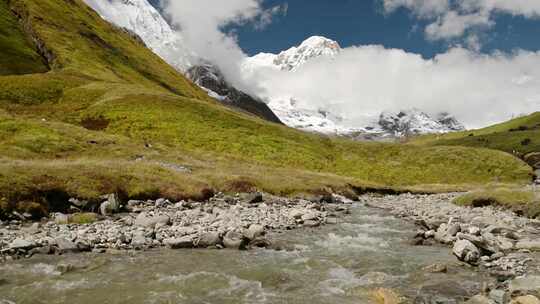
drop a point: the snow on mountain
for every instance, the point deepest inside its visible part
(414, 121)
(141, 18)
(293, 58)
(290, 111)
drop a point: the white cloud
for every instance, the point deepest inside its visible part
(451, 19)
(201, 24)
(422, 8)
(452, 24)
(360, 81)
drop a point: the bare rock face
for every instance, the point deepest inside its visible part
(533, 159)
(466, 251)
(210, 78)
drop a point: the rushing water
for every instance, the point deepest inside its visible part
(341, 263)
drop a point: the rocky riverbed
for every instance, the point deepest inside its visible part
(422, 246)
(234, 222)
(496, 241)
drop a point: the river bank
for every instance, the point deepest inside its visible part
(234, 222)
(408, 243)
(494, 240)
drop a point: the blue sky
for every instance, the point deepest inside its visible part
(359, 22)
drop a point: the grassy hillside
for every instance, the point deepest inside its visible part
(520, 135)
(18, 54)
(112, 116)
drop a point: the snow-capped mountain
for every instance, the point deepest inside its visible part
(289, 109)
(414, 121)
(141, 18)
(293, 58)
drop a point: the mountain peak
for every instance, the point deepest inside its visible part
(293, 58)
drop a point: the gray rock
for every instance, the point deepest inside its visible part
(34, 228)
(499, 296)
(310, 216)
(453, 229)
(530, 299)
(525, 285)
(233, 240)
(254, 231)
(296, 214)
(139, 241)
(179, 243)
(466, 251)
(161, 202)
(447, 292)
(65, 246)
(311, 223)
(331, 220)
(533, 245)
(479, 299)
(143, 220)
(78, 203)
(209, 239)
(111, 205)
(22, 244)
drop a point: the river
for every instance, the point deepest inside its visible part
(341, 263)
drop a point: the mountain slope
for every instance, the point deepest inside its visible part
(111, 116)
(519, 136)
(210, 78)
(18, 54)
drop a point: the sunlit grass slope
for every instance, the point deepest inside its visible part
(112, 116)
(520, 135)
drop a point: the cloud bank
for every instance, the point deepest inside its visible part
(362, 81)
(365, 80)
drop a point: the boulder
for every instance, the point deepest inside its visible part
(533, 245)
(525, 285)
(254, 231)
(66, 246)
(310, 216)
(296, 214)
(466, 251)
(311, 223)
(479, 299)
(498, 296)
(444, 292)
(138, 241)
(81, 204)
(233, 240)
(526, 300)
(533, 159)
(22, 244)
(209, 239)
(144, 220)
(111, 205)
(179, 243)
